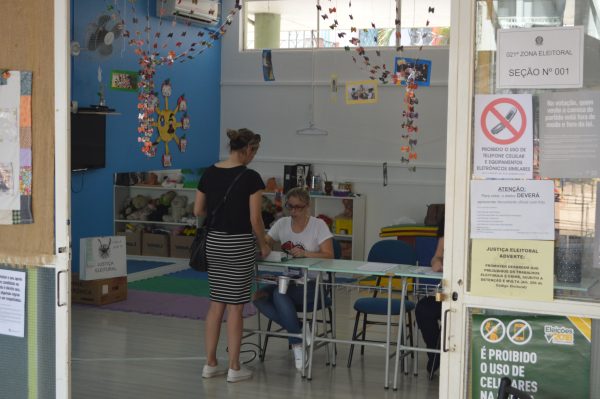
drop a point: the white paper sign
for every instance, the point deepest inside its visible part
(550, 57)
(102, 257)
(569, 139)
(503, 136)
(12, 302)
(512, 209)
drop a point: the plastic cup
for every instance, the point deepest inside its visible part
(282, 284)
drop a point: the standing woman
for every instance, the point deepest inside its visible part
(230, 247)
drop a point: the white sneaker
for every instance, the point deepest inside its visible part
(297, 350)
(212, 371)
(239, 375)
(308, 335)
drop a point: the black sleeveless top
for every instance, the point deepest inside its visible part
(234, 215)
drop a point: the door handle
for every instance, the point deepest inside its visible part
(58, 289)
(444, 347)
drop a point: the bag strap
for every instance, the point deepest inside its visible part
(218, 207)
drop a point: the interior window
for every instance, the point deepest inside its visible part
(290, 24)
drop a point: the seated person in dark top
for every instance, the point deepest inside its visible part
(429, 312)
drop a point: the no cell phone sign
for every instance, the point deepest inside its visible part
(503, 121)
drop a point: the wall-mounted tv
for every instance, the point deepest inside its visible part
(88, 141)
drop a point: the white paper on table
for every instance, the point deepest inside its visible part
(425, 270)
(276, 256)
(377, 267)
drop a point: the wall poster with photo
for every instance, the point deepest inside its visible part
(410, 68)
(124, 80)
(362, 92)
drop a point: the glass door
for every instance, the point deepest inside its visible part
(522, 269)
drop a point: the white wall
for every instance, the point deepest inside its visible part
(360, 137)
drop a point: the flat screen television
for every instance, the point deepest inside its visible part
(88, 141)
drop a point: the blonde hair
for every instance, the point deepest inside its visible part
(242, 138)
(300, 193)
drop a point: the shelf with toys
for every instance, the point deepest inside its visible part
(154, 210)
(345, 216)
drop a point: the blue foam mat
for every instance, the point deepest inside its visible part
(134, 266)
(190, 273)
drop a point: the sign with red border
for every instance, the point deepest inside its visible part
(505, 122)
(503, 136)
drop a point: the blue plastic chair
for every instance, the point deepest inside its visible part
(385, 251)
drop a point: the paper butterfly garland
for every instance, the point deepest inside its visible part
(163, 48)
(379, 71)
(409, 124)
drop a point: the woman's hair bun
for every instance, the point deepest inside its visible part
(241, 138)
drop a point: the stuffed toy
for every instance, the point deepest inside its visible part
(177, 210)
(348, 211)
(271, 185)
(137, 208)
(151, 179)
(166, 198)
(268, 211)
(158, 210)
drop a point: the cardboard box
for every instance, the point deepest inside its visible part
(180, 246)
(155, 245)
(133, 241)
(98, 292)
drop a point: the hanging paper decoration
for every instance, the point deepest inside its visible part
(378, 71)
(376, 68)
(163, 46)
(167, 47)
(409, 124)
(166, 123)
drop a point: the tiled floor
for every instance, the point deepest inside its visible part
(130, 355)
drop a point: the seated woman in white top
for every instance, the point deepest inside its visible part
(302, 236)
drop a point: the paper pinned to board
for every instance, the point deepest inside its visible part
(377, 267)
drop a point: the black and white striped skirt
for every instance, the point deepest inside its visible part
(231, 259)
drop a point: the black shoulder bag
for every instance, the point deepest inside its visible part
(198, 249)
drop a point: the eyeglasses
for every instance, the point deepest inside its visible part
(289, 206)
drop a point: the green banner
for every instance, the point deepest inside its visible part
(545, 356)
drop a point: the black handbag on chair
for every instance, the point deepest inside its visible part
(198, 260)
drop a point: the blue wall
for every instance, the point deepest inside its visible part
(199, 79)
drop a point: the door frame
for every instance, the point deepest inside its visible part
(454, 363)
(62, 189)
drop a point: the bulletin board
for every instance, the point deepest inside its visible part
(27, 45)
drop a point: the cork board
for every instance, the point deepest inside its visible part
(27, 32)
